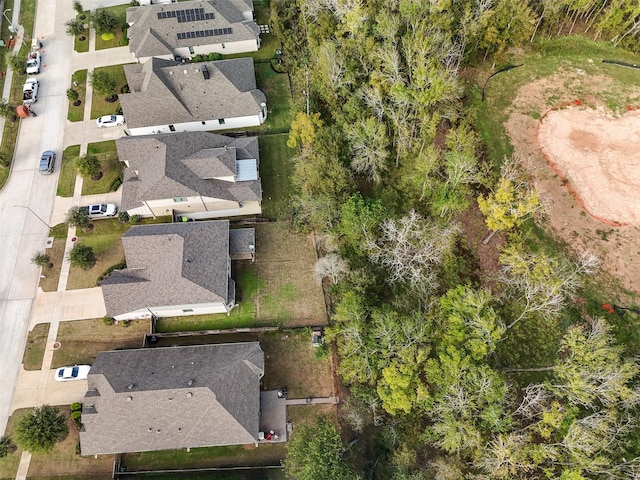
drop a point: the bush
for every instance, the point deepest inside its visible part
(75, 407)
(106, 37)
(17, 63)
(115, 184)
(76, 414)
(82, 256)
(72, 95)
(125, 323)
(40, 259)
(135, 219)
(40, 430)
(108, 320)
(213, 56)
(123, 217)
(118, 266)
(6, 446)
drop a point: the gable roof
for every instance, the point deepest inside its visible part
(186, 164)
(171, 264)
(159, 29)
(170, 398)
(165, 92)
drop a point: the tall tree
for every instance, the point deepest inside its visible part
(39, 430)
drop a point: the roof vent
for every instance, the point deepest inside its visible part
(149, 429)
(130, 386)
(129, 399)
(185, 71)
(189, 394)
(197, 70)
(170, 73)
(205, 72)
(190, 382)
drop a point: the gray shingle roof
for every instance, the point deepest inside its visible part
(150, 35)
(170, 264)
(181, 165)
(165, 92)
(170, 398)
(240, 241)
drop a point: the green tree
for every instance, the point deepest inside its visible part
(82, 256)
(72, 94)
(78, 217)
(6, 446)
(103, 83)
(103, 21)
(77, 7)
(17, 63)
(74, 27)
(316, 452)
(40, 259)
(88, 165)
(41, 429)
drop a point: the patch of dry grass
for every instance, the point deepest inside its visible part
(36, 343)
(82, 340)
(52, 275)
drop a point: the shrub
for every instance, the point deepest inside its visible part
(72, 95)
(134, 219)
(6, 446)
(76, 414)
(115, 184)
(108, 320)
(106, 37)
(123, 217)
(118, 266)
(196, 58)
(88, 165)
(82, 256)
(125, 323)
(17, 63)
(75, 407)
(40, 259)
(213, 56)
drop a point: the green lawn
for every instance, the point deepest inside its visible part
(276, 167)
(76, 113)
(79, 45)
(99, 105)
(120, 12)
(110, 165)
(276, 87)
(9, 464)
(34, 350)
(68, 171)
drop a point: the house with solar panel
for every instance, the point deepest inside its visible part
(191, 175)
(184, 29)
(167, 96)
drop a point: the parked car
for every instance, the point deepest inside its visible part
(110, 121)
(100, 210)
(47, 162)
(76, 372)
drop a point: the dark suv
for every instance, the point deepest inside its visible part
(47, 161)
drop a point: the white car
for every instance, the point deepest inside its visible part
(101, 210)
(76, 372)
(110, 121)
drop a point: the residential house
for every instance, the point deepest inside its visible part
(185, 29)
(167, 96)
(172, 398)
(195, 175)
(177, 269)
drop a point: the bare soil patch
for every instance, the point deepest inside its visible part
(617, 247)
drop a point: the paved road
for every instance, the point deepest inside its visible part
(23, 233)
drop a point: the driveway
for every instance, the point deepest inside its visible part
(27, 200)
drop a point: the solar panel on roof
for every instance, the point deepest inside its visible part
(205, 33)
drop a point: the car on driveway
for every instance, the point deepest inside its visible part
(47, 162)
(75, 372)
(101, 210)
(110, 121)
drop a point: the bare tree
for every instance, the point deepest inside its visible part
(331, 266)
(411, 249)
(369, 148)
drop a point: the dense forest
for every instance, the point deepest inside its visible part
(451, 371)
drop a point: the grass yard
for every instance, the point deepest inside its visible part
(68, 171)
(276, 167)
(105, 239)
(120, 12)
(36, 343)
(276, 87)
(82, 340)
(110, 165)
(99, 105)
(9, 464)
(81, 42)
(56, 254)
(64, 463)
(76, 113)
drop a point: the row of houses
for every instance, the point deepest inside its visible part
(195, 396)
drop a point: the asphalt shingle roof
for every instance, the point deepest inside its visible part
(164, 92)
(170, 264)
(151, 36)
(170, 398)
(182, 165)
